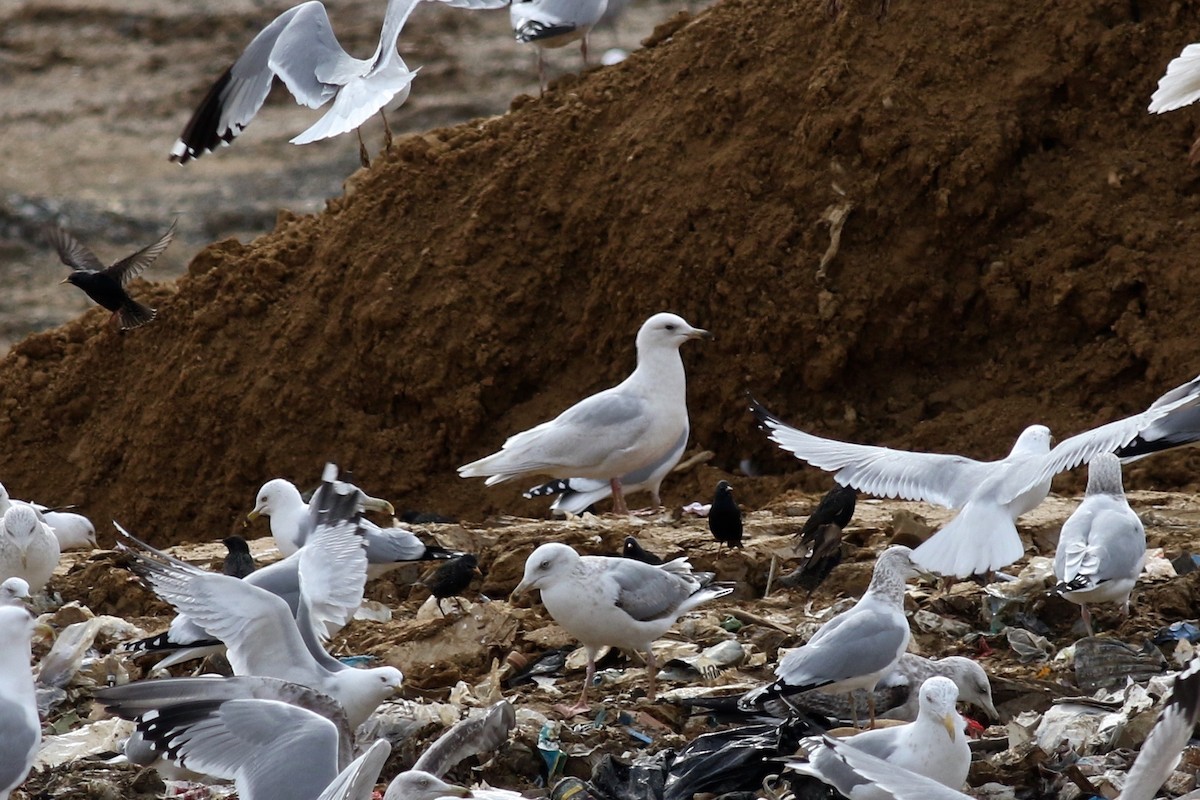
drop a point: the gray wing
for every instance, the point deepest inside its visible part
(357, 781)
(71, 252)
(583, 492)
(20, 743)
(240, 740)
(828, 756)
(131, 266)
(282, 579)
(646, 592)
(1169, 417)
(1103, 540)
(482, 733)
(307, 56)
(389, 545)
(1160, 752)
(946, 480)
(861, 644)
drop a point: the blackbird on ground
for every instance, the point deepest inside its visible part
(725, 518)
(633, 549)
(106, 285)
(835, 508)
(238, 562)
(452, 578)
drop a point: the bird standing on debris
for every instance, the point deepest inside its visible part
(724, 517)
(238, 561)
(28, 549)
(106, 285)
(1102, 545)
(835, 508)
(554, 23)
(633, 549)
(452, 579)
(854, 649)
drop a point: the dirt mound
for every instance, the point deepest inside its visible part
(1013, 252)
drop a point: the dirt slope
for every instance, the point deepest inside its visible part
(1018, 248)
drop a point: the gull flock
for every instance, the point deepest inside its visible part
(274, 624)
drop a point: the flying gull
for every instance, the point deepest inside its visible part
(576, 495)
(1102, 545)
(854, 649)
(28, 548)
(608, 600)
(614, 432)
(20, 728)
(990, 495)
(106, 285)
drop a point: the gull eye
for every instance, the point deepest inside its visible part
(545, 564)
(670, 326)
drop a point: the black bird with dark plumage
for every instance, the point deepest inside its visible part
(633, 549)
(238, 562)
(724, 517)
(106, 285)
(835, 508)
(452, 579)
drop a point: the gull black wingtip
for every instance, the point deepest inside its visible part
(1185, 696)
(764, 419)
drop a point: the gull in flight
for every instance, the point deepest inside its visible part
(990, 495)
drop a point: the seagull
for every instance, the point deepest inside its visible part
(614, 432)
(238, 562)
(554, 23)
(1102, 545)
(73, 531)
(609, 600)
(1154, 764)
(1179, 87)
(854, 649)
(991, 495)
(28, 549)
(20, 728)
(106, 285)
(417, 785)
(724, 517)
(576, 495)
(387, 548)
(933, 745)
(13, 592)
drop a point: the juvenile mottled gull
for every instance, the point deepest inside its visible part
(28, 548)
(854, 649)
(417, 785)
(20, 729)
(991, 495)
(1102, 545)
(1154, 764)
(607, 600)
(933, 745)
(576, 495)
(614, 432)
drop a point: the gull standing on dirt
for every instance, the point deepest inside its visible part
(854, 649)
(28, 548)
(933, 745)
(576, 495)
(387, 548)
(612, 433)
(1154, 764)
(991, 495)
(1102, 545)
(20, 728)
(614, 601)
(554, 23)
(300, 48)
(106, 285)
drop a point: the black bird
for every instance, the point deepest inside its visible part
(238, 563)
(824, 553)
(633, 549)
(106, 285)
(835, 508)
(725, 518)
(452, 578)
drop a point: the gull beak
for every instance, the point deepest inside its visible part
(521, 589)
(455, 791)
(697, 333)
(376, 504)
(951, 726)
(991, 709)
(253, 515)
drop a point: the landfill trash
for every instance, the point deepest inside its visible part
(481, 732)
(373, 611)
(1184, 630)
(63, 661)
(935, 623)
(736, 759)
(551, 752)
(1103, 663)
(708, 664)
(1028, 645)
(102, 736)
(548, 663)
(1156, 567)
(573, 789)
(640, 780)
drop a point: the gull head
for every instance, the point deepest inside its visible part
(898, 560)
(1034, 440)
(13, 591)
(667, 331)
(938, 696)
(360, 691)
(546, 565)
(1104, 475)
(972, 682)
(20, 522)
(418, 785)
(273, 497)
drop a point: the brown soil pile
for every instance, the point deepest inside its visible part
(1015, 251)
